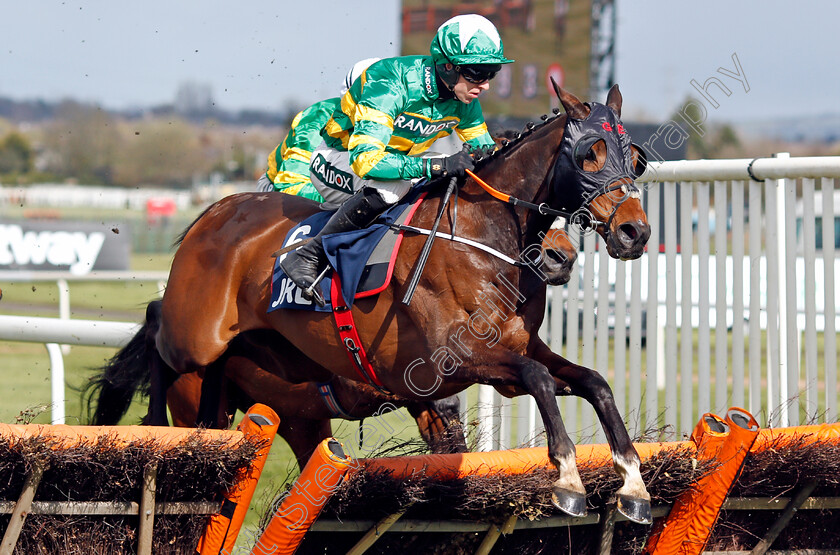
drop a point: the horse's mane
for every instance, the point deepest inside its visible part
(510, 139)
(180, 238)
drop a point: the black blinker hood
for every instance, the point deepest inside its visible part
(572, 187)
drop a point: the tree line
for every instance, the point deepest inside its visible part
(177, 146)
(83, 143)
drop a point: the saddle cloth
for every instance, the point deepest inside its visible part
(364, 258)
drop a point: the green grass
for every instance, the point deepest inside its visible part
(26, 393)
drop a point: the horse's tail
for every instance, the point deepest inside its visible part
(110, 391)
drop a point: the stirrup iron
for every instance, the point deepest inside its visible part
(314, 292)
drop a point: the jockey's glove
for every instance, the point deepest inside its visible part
(451, 166)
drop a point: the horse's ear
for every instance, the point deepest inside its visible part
(573, 106)
(614, 99)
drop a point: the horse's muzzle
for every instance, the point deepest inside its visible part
(628, 240)
(558, 266)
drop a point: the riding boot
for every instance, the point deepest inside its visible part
(305, 264)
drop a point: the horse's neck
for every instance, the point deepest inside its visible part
(522, 172)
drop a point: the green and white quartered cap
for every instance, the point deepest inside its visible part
(466, 40)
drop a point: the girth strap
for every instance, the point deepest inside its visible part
(327, 393)
(350, 337)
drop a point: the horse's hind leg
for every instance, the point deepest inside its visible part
(633, 497)
(162, 376)
(210, 406)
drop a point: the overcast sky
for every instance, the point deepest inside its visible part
(265, 54)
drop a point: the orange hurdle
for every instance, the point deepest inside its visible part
(685, 530)
(690, 521)
(70, 436)
(304, 502)
(510, 461)
(260, 422)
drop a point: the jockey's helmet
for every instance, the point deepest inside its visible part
(472, 45)
(355, 72)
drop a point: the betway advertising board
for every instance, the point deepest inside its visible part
(75, 247)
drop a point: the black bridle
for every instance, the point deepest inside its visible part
(617, 174)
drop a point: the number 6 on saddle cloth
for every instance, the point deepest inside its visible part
(363, 259)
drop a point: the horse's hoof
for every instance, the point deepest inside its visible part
(635, 509)
(570, 502)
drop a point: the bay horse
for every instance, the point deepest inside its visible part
(304, 414)
(475, 316)
(305, 409)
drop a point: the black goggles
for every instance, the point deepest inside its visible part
(477, 74)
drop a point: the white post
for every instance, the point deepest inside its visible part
(670, 342)
(755, 225)
(686, 374)
(662, 315)
(721, 366)
(463, 412)
(810, 279)
(738, 266)
(485, 417)
(774, 278)
(57, 382)
(63, 306)
(655, 340)
(787, 258)
(526, 420)
(506, 411)
(829, 308)
(781, 235)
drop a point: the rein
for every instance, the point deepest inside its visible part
(545, 210)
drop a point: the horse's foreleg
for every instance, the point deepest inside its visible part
(439, 422)
(568, 492)
(633, 497)
(210, 405)
(523, 373)
(303, 435)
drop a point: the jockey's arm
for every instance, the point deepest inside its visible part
(373, 130)
(305, 133)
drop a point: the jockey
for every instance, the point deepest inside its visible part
(393, 113)
(288, 164)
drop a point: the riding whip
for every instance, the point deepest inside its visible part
(427, 247)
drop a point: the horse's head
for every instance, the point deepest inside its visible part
(594, 174)
(559, 256)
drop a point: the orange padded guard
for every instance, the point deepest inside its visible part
(259, 422)
(321, 475)
(692, 518)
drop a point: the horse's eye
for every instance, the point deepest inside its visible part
(585, 155)
(640, 160)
